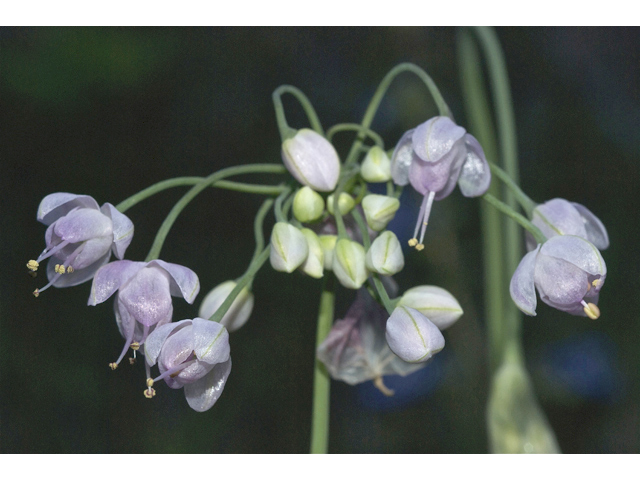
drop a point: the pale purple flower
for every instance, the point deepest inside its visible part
(412, 336)
(80, 237)
(143, 298)
(568, 272)
(561, 217)
(193, 354)
(356, 351)
(433, 157)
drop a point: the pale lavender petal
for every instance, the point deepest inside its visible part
(433, 139)
(560, 281)
(210, 341)
(522, 286)
(402, 158)
(558, 217)
(77, 276)
(147, 295)
(90, 252)
(577, 251)
(596, 232)
(454, 173)
(156, 339)
(437, 176)
(83, 224)
(56, 205)
(411, 336)
(475, 177)
(204, 393)
(342, 352)
(184, 283)
(110, 277)
(122, 229)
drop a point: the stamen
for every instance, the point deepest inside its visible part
(132, 360)
(591, 310)
(413, 242)
(379, 384)
(53, 251)
(113, 365)
(134, 346)
(175, 371)
(150, 392)
(32, 265)
(70, 269)
(36, 293)
(425, 219)
(59, 269)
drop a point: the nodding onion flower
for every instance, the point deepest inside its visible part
(433, 157)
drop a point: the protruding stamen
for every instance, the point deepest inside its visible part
(32, 265)
(59, 269)
(113, 365)
(413, 242)
(36, 293)
(150, 392)
(596, 282)
(176, 370)
(134, 346)
(419, 247)
(150, 382)
(591, 310)
(427, 212)
(132, 360)
(379, 384)
(70, 269)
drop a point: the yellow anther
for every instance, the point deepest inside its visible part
(132, 361)
(149, 393)
(113, 366)
(425, 223)
(413, 242)
(596, 282)
(149, 382)
(135, 346)
(32, 265)
(70, 269)
(59, 269)
(36, 292)
(419, 247)
(592, 311)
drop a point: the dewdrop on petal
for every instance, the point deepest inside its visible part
(379, 210)
(308, 205)
(289, 247)
(385, 255)
(345, 203)
(239, 311)
(376, 166)
(349, 263)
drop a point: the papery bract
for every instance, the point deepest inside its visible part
(312, 160)
(80, 237)
(568, 272)
(193, 354)
(412, 336)
(239, 311)
(143, 298)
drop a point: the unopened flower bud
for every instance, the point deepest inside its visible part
(385, 255)
(345, 203)
(312, 160)
(308, 205)
(328, 243)
(411, 335)
(376, 166)
(289, 247)
(435, 303)
(379, 210)
(349, 263)
(239, 311)
(314, 264)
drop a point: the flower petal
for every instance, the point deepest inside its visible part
(596, 232)
(558, 217)
(83, 224)
(433, 139)
(122, 229)
(184, 282)
(204, 393)
(210, 341)
(559, 282)
(522, 287)
(56, 205)
(577, 251)
(155, 340)
(110, 277)
(475, 177)
(402, 158)
(147, 295)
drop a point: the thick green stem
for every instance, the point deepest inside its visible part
(321, 380)
(285, 130)
(154, 252)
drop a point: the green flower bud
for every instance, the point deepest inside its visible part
(289, 247)
(385, 255)
(379, 210)
(314, 264)
(435, 303)
(349, 263)
(345, 203)
(308, 205)
(328, 243)
(376, 166)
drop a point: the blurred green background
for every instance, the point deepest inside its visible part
(109, 111)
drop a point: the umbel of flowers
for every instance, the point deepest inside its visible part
(330, 221)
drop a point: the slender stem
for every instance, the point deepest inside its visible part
(350, 127)
(511, 213)
(154, 252)
(321, 380)
(257, 227)
(280, 216)
(523, 199)
(286, 131)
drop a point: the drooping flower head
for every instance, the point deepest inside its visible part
(143, 298)
(356, 351)
(568, 272)
(193, 354)
(80, 238)
(433, 157)
(561, 217)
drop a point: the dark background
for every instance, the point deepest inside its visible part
(109, 111)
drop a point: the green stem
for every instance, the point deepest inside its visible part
(257, 227)
(523, 199)
(321, 380)
(285, 130)
(351, 127)
(522, 220)
(154, 252)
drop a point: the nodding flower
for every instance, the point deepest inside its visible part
(433, 157)
(80, 238)
(568, 272)
(143, 299)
